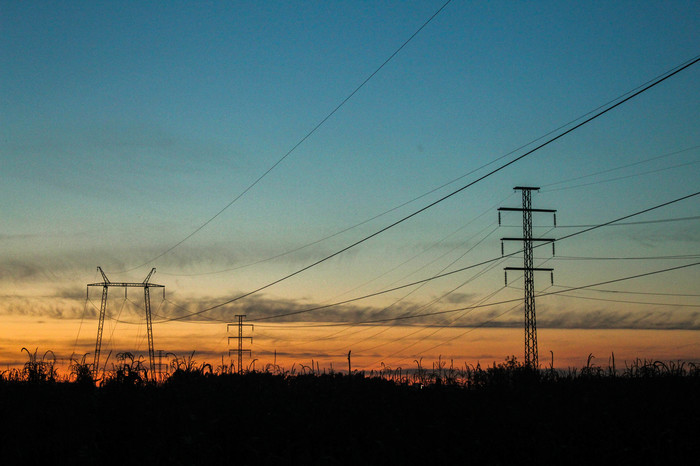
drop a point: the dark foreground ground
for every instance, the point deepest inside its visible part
(262, 418)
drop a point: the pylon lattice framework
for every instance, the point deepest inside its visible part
(239, 351)
(528, 269)
(105, 284)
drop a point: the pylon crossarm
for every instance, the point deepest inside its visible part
(520, 209)
(127, 285)
(542, 269)
(547, 240)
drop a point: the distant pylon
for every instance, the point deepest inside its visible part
(239, 351)
(531, 356)
(105, 284)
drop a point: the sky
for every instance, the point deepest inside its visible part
(231, 144)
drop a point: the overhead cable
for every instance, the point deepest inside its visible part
(443, 198)
(594, 227)
(301, 141)
(316, 308)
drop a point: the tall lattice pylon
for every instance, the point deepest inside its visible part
(528, 269)
(105, 284)
(240, 350)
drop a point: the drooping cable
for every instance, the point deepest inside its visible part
(449, 324)
(549, 293)
(594, 227)
(545, 187)
(300, 142)
(443, 198)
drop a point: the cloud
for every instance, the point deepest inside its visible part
(460, 298)
(261, 306)
(36, 268)
(610, 318)
(687, 233)
(77, 262)
(19, 236)
(76, 293)
(18, 270)
(54, 308)
(68, 302)
(219, 257)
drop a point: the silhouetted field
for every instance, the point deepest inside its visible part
(646, 413)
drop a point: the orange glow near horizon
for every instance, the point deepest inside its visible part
(293, 345)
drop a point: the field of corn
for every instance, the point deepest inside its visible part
(645, 412)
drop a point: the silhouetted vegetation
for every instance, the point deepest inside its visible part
(507, 413)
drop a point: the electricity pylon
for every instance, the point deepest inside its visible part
(105, 284)
(240, 338)
(531, 357)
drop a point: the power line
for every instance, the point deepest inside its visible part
(422, 267)
(621, 167)
(418, 288)
(582, 287)
(440, 298)
(649, 293)
(448, 183)
(582, 258)
(590, 298)
(467, 311)
(427, 305)
(326, 306)
(344, 230)
(302, 140)
(594, 227)
(332, 235)
(645, 222)
(471, 329)
(403, 337)
(443, 198)
(429, 248)
(442, 327)
(631, 277)
(481, 263)
(566, 289)
(610, 180)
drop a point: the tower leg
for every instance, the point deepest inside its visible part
(100, 327)
(149, 330)
(240, 344)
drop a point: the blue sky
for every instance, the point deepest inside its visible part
(125, 126)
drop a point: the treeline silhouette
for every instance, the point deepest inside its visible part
(508, 413)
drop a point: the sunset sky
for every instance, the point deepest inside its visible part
(136, 135)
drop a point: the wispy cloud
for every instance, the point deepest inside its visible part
(78, 263)
(69, 302)
(18, 270)
(686, 233)
(460, 298)
(55, 308)
(610, 318)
